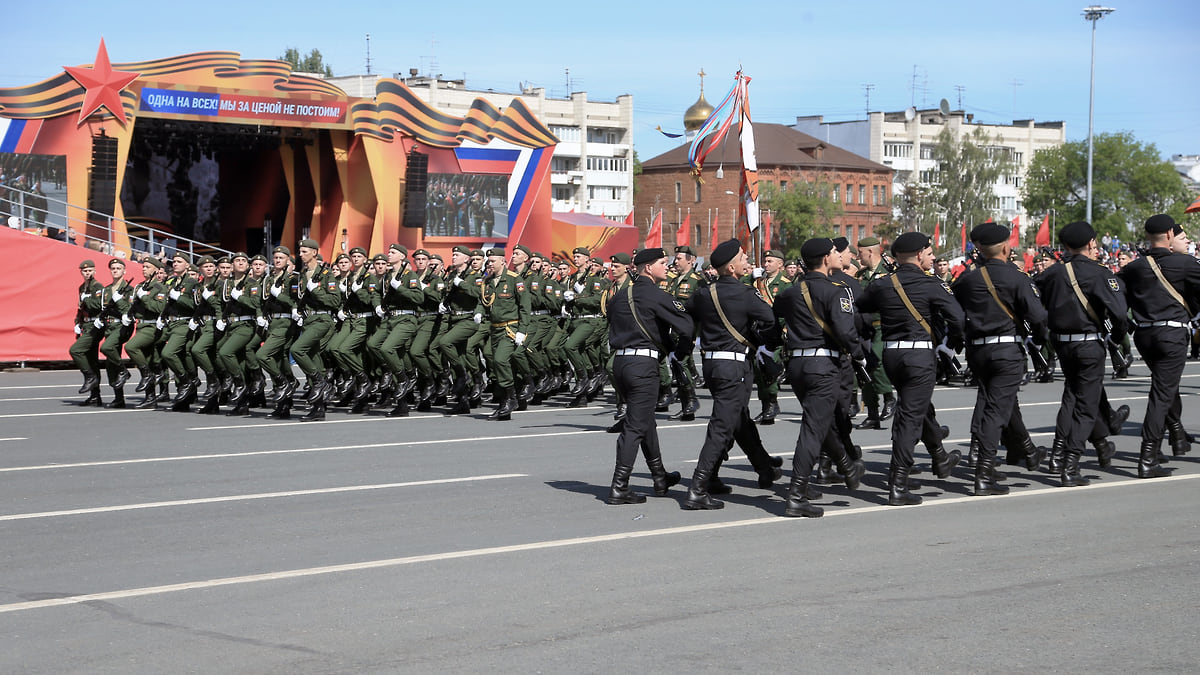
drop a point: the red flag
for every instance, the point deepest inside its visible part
(1194, 208)
(937, 235)
(654, 234)
(964, 238)
(683, 236)
(1043, 235)
(712, 241)
(629, 218)
(1014, 239)
(766, 222)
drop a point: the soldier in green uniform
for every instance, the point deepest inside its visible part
(178, 311)
(508, 311)
(621, 263)
(235, 323)
(769, 280)
(870, 253)
(552, 289)
(360, 297)
(146, 302)
(463, 315)
(478, 342)
(403, 299)
(318, 300)
(685, 282)
(279, 310)
(116, 326)
(532, 364)
(582, 299)
(203, 324)
(432, 288)
(84, 351)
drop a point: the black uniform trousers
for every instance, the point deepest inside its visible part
(818, 384)
(1083, 365)
(637, 379)
(730, 383)
(999, 369)
(1164, 349)
(913, 373)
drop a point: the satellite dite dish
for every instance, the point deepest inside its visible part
(909, 114)
(944, 107)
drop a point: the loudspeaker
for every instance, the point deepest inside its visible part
(416, 182)
(102, 188)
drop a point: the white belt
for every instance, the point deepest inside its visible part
(1163, 324)
(994, 339)
(652, 353)
(908, 344)
(818, 351)
(362, 315)
(541, 312)
(409, 312)
(241, 318)
(724, 356)
(313, 312)
(590, 316)
(1077, 337)
(281, 315)
(464, 312)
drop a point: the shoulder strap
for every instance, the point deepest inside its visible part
(633, 311)
(908, 303)
(721, 313)
(808, 301)
(987, 279)
(1087, 306)
(1163, 280)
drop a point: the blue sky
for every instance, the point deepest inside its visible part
(1015, 60)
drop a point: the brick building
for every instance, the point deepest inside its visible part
(784, 156)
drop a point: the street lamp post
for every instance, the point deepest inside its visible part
(1092, 13)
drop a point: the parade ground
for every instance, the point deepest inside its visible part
(159, 542)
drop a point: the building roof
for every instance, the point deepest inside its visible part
(775, 145)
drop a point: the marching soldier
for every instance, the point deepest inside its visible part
(683, 286)
(462, 306)
(359, 299)
(114, 321)
(640, 320)
(84, 351)
(278, 310)
(147, 302)
(503, 295)
(175, 337)
(769, 280)
(318, 300)
(870, 253)
(582, 298)
(208, 309)
(907, 301)
(1160, 289)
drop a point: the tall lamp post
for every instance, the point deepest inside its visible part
(1092, 13)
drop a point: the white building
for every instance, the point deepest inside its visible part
(592, 168)
(905, 141)
(1188, 167)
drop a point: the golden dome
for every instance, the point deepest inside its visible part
(695, 116)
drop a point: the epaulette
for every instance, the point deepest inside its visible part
(512, 273)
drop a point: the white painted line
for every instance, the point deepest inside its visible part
(15, 438)
(291, 451)
(542, 545)
(79, 412)
(239, 498)
(362, 419)
(40, 398)
(42, 386)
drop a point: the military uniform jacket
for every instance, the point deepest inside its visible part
(464, 296)
(362, 292)
(181, 297)
(279, 293)
(111, 307)
(248, 302)
(552, 291)
(769, 287)
(606, 300)
(1146, 296)
(832, 302)
(403, 290)
(149, 298)
(986, 318)
(685, 285)
(588, 291)
(659, 313)
(505, 298)
(744, 308)
(89, 300)
(930, 296)
(324, 296)
(866, 276)
(433, 289)
(207, 297)
(1100, 287)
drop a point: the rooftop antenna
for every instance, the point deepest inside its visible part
(868, 88)
(959, 88)
(1015, 83)
(368, 53)
(912, 90)
(433, 64)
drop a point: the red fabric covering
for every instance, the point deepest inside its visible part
(39, 292)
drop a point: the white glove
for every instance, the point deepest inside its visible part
(763, 354)
(207, 293)
(311, 285)
(423, 285)
(478, 317)
(519, 338)
(579, 288)
(118, 295)
(342, 287)
(160, 324)
(564, 313)
(295, 314)
(395, 282)
(235, 294)
(457, 281)
(757, 273)
(141, 292)
(83, 296)
(262, 321)
(192, 325)
(672, 358)
(379, 312)
(300, 322)
(125, 320)
(341, 315)
(97, 323)
(863, 362)
(276, 290)
(568, 296)
(78, 330)
(356, 286)
(221, 324)
(174, 294)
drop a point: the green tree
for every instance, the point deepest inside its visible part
(1130, 183)
(313, 63)
(963, 188)
(637, 172)
(799, 212)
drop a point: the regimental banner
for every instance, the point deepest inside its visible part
(230, 106)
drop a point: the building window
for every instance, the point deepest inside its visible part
(926, 151)
(563, 194)
(862, 194)
(849, 193)
(678, 192)
(782, 186)
(899, 150)
(607, 164)
(697, 191)
(835, 193)
(565, 133)
(874, 195)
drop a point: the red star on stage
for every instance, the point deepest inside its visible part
(103, 85)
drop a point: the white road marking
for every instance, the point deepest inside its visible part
(357, 419)
(39, 398)
(538, 546)
(15, 438)
(239, 498)
(76, 412)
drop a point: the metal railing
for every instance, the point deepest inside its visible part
(20, 210)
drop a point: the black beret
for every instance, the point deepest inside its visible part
(1162, 223)
(841, 243)
(1076, 235)
(724, 252)
(685, 249)
(989, 233)
(359, 249)
(817, 247)
(910, 242)
(648, 255)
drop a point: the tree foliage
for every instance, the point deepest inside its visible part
(799, 212)
(964, 190)
(313, 63)
(1130, 183)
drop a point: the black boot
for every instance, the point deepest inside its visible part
(508, 403)
(211, 407)
(852, 470)
(943, 462)
(151, 399)
(1148, 466)
(401, 409)
(825, 473)
(697, 494)
(91, 380)
(1070, 470)
(118, 400)
(985, 481)
(798, 505)
(889, 406)
(1178, 438)
(1116, 421)
(1057, 455)
(663, 479)
(210, 386)
(687, 398)
(620, 492)
(1105, 449)
(973, 453)
(872, 421)
(316, 413)
(770, 410)
(622, 409)
(283, 409)
(1034, 454)
(462, 405)
(143, 381)
(665, 398)
(899, 495)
